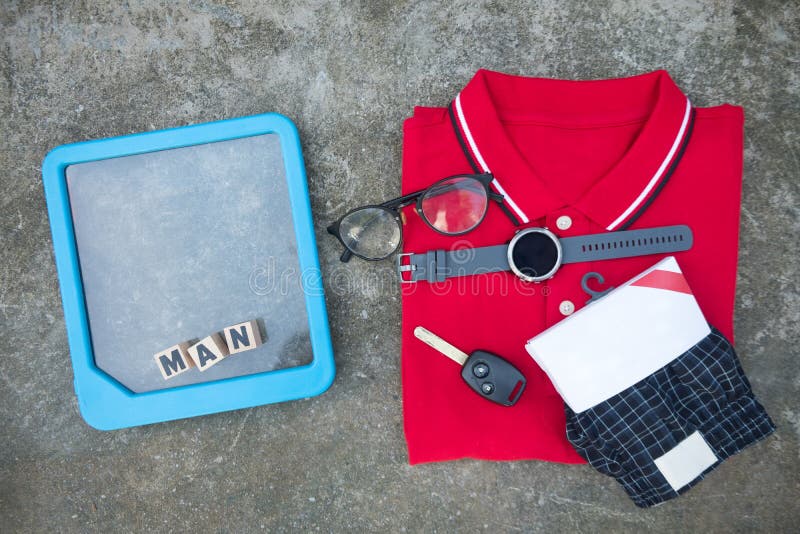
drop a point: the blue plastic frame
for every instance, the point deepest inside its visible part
(104, 403)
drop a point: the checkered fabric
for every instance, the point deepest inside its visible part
(704, 390)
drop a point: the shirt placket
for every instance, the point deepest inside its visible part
(563, 293)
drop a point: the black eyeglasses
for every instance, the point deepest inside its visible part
(452, 206)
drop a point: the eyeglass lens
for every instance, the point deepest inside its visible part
(372, 233)
(455, 205)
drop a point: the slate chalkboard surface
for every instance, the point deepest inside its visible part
(179, 243)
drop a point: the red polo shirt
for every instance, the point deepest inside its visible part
(577, 157)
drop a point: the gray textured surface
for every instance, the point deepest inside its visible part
(202, 240)
(348, 73)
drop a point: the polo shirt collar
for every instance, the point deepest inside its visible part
(618, 197)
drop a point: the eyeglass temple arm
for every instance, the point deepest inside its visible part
(333, 229)
(403, 201)
(501, 201)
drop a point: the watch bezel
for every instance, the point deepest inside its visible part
(513, 244)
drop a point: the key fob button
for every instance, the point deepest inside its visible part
(493, 378)
(480, 370)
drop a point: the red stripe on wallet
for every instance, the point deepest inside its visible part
(668, 280)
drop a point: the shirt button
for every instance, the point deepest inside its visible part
(564, 222)
(566, 307)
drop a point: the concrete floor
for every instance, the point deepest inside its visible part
(348, 73)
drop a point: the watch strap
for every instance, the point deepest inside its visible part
(438, 265)
(625, 244)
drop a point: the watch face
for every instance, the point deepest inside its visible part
(535, 254)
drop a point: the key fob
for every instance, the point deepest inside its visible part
(493, 378)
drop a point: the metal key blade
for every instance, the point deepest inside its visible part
(434, 341)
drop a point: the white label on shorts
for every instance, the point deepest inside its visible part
(686, 461)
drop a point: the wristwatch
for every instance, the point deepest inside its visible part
(535, 254)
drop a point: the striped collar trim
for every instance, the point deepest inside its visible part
(617, 199)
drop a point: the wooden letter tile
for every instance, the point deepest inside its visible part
(174, 360)
(243, 336)
(208, 351)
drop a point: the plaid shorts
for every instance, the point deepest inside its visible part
(701, 396)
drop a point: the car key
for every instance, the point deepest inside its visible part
(489, 375)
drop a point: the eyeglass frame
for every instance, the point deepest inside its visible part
(395, 205)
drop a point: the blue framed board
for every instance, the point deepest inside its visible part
(158, 237)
